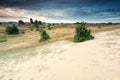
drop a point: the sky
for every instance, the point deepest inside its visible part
(55, 11)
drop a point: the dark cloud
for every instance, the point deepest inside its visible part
(69, 9)
(35, 4)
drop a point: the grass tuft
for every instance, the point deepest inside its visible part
(3, 40)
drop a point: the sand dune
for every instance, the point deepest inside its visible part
(97, 59)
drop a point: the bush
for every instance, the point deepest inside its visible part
(109, 23)
(82, 33)
(3, 40)
(40, 30)
(21, 22)
(31, 21)
(12, 29)
(44, 35)
(37, 27)
(49, 26)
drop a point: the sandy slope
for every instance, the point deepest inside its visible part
(98, 59)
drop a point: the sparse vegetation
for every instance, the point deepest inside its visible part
(77, 23)
(21, 22)
(99, 26)
(40, 22)
(44, 35)
(30, 38)
(49, 26)
(3, 40)
(31, 21)
(11, 30)
(36, 25)
(22, 32)
(109, 23)
(31, 28)
(82, 33)
(31, 24)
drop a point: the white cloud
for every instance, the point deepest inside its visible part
(17, 14)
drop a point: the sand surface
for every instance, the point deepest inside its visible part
(97, 59)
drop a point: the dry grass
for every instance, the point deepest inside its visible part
(30, 38)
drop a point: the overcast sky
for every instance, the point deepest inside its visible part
(60, 10)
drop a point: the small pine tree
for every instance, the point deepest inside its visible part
(82, 33)
(12, 29)
(40, 22)
(109, 23)
(36, 25)
(44, 35)
(21, 22)
(49, 26)
(31, 21)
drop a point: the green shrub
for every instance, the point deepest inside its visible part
(82, 33)
(40, 30)
(21, 22)
(37, 27)
(110, 23)
(49, 27)
(3, 40)
(12, 29)
(44, 35)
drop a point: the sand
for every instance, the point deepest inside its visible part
(97, 59)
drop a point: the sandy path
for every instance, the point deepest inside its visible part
(98, 59)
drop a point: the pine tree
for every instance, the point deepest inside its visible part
(82, 33)
(44, 35)
(31, 21)
(40, 22)
(21, 22)
(31, 24)
(36, 24)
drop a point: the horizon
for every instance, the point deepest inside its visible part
(78, 22)
(60, 11)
